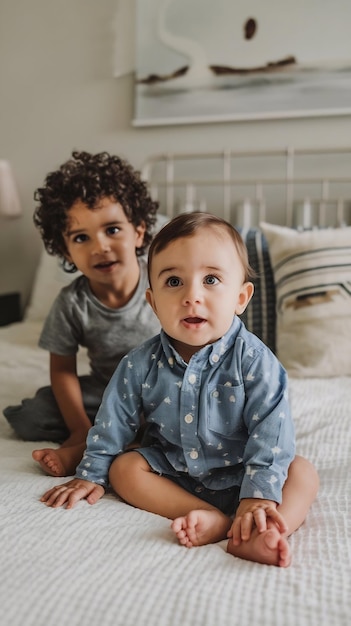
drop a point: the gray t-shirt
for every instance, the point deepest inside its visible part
(78, 318)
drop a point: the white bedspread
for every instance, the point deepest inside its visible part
(110, 564)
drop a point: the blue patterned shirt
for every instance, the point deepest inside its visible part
(223, 418)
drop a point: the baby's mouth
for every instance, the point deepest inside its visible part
(194, 321)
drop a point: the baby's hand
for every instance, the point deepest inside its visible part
(254, 512)
(71, 492)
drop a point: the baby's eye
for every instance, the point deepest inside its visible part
(173, 281)
(80, 238)
(211, 280)
(112, 230)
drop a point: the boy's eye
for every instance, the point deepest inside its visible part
(211, 280)
(173, 281)
(80, 238)
(112, 230)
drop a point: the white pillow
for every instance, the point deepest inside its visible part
(312, 274)
(50, 278)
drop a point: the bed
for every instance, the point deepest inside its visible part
(111, 564)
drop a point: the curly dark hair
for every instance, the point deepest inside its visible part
(90, 178)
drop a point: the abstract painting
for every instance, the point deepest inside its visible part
(205, 61)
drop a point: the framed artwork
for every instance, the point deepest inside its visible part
(206, 61)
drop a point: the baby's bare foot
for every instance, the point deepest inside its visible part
(61, 461)
(269, 547)
(201, 527)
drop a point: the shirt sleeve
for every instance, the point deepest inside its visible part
(61, 331)
(116, 424)
(271, 438)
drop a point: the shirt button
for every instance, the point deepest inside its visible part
(188, 418)
(192, 379)
(215, 358)
(194, 455)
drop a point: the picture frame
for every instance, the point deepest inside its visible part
(203, 61)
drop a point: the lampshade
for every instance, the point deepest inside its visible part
(10, 205)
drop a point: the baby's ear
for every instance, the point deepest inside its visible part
(149, 296)
(244, 298)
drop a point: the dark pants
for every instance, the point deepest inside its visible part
(40, 419)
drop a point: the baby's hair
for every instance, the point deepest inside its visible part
(90, 178)
(187, 224)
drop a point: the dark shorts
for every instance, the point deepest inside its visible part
(226, 500)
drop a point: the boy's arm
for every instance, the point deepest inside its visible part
(66, 389)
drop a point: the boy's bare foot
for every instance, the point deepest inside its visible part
(201, 527)
(269, 547)
(61, 461)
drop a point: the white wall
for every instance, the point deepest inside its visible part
(58, 93)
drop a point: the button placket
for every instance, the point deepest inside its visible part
(188, 423)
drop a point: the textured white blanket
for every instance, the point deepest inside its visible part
(113, 565)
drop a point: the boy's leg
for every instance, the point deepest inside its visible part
(63, 461)
(299, 492)
(133, 480)
(40, 419)
(37, 418)
(59, 461)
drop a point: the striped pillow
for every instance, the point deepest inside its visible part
(260, 315)
(312, 273)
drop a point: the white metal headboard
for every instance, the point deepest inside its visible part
(296, 187)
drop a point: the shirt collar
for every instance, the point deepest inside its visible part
(212, 353)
